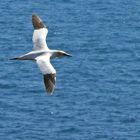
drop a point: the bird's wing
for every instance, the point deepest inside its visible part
(48, 72)
(39, 34)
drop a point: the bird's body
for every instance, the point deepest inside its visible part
(42, 54)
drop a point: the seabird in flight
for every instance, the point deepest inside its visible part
(42, 54)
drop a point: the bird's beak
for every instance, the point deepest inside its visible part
(69, 55)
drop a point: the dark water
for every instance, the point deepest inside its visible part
(97, 96)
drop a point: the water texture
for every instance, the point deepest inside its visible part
(97, 96)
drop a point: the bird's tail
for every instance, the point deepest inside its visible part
(16, 58)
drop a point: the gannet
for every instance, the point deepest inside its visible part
(42, 54)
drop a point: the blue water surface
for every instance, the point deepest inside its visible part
(97, 95)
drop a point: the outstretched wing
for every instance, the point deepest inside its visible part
(39, 34)
(48, 72)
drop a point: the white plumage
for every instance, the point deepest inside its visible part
(39, 39)
(44, 64)
(42, 54)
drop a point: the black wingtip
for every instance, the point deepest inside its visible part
(37, 22)
(49, 81)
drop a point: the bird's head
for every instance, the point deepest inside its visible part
(62, 54)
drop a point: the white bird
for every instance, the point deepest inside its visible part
(42, 54)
